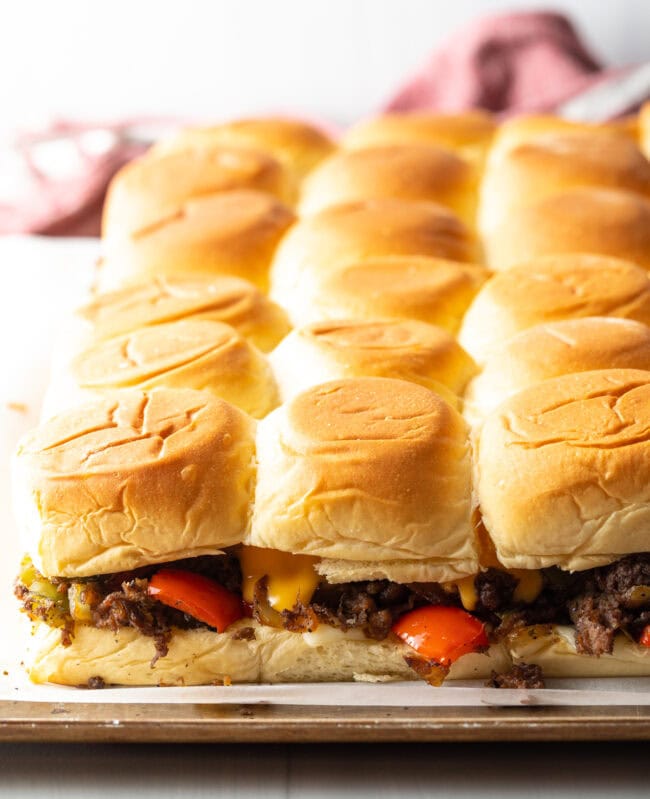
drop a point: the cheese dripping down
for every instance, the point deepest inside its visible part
(289, 577)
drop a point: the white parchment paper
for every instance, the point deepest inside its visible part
(43, 280)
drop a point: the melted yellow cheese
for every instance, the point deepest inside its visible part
(288, 576)
(528, 588)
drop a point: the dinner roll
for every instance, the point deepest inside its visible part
(533, 171)
(135, 478)
(348, 233)
(587, 220)
(554, 349)
(469, 133)
(403, 171)
(563, 471)
(367, 469)
(391, 287)
(233, 233)
(198, 354)
(296, 143)
(403, 349)
(152, 188)
(526, 128)
(549, 289)
(167, 299)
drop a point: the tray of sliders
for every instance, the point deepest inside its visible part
(349, 440)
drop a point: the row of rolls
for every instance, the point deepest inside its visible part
(413, 355)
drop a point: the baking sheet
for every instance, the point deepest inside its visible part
(49, 277)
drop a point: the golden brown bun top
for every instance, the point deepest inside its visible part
(366, 469)
(135, 478)
(404, 349)
(404, 171)
(297, 143)
(527, 128)
(470, 132)
(232, 233)
(552, 288)
(394, 287)
(564, 471)
(550, 163)
(580, 220)
(348, 233)
(152, 188)
(167, 299)
(559, 348)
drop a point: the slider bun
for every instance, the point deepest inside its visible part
(469, 133)
(407, 350)
(367, 469)
(527, 128)
(553, 648)
(235, 302)
(587, 220)
(533, 171)
(549, 289)
(133, 479)
(152, 188)
(297, 144)
(233, 233)
(353, 232)
(405, 172)
(391, 287)
(198, 354)
(202, 657)
(644, 129)
(563, 471)
(554, 349)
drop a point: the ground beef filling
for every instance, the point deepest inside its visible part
(599, 603)
(524, 675)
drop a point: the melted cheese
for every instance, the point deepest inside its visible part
(528, 588)
(288, 576)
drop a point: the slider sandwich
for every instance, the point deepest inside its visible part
(563, 481)
(170, 544)
(551, 289)
(346, 234)
(199, 354)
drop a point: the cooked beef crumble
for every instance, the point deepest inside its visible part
(524, 675)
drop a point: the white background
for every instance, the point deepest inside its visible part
(214, 58)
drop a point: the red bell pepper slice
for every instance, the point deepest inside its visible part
(198, 596)
(441, 634)
(645, 636)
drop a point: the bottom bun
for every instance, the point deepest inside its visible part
(203, 657)
(553, 648)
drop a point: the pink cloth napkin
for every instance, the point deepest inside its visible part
(510, 63)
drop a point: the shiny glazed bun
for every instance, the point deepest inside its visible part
(233, 233)
(367, 469)
(531, 172)
(404, 171)
(152, 188)
(469, 133)
(298, 144)
(133, 479)
(231, 300)
(554, 349)
(581, 220)
(403, 349)
(346, 234)
(391, 287)
(563, 471)
(549, 289)
(197, 354)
